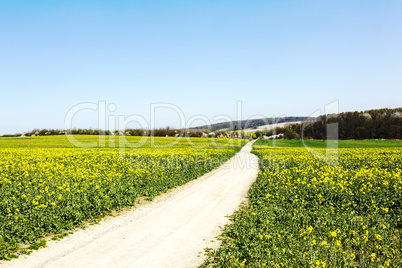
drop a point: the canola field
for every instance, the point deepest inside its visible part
(305, 213)
(47, 185)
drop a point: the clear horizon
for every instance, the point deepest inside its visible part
(277, 58)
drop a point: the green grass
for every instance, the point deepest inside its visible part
(323, 144)
(36, 246)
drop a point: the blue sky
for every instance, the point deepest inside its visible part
(276, 57)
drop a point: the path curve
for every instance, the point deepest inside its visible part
(171, 231)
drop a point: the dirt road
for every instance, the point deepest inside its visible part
(171, 231)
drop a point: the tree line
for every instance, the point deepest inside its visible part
(371, 124)
(160, 132)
